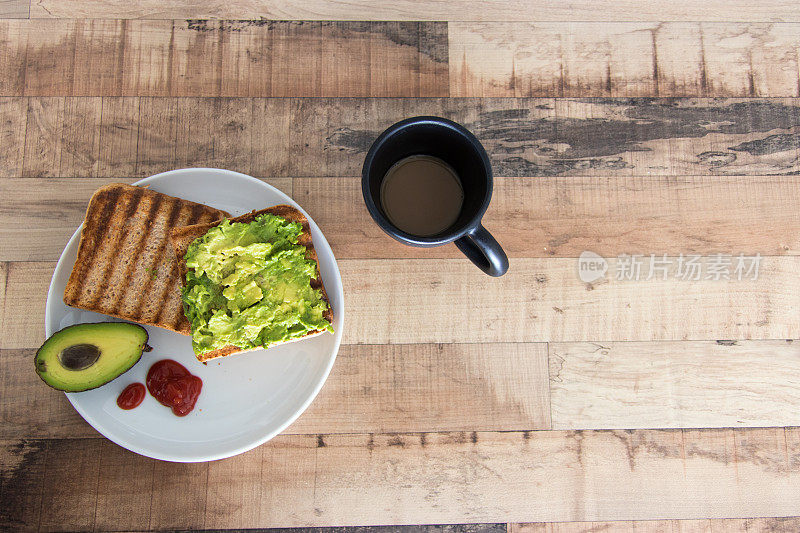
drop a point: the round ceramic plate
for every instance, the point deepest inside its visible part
(247, 399)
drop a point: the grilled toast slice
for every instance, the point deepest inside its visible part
(126, 267)
(182, 237)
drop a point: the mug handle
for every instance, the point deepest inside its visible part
(482, 249)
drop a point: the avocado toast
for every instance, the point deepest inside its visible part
(251, 282)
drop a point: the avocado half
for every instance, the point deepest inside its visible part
(86, 356)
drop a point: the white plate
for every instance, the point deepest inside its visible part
(247, 399)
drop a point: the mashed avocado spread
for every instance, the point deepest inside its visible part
(248, 285)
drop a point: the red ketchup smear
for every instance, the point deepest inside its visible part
(172, 385)
(131, 396)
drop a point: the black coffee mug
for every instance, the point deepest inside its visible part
(455, 145)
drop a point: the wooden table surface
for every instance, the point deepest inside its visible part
(666, 128)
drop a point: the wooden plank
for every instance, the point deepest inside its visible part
(543, 300)
(44, 123)
(12, 135)
(623, 59)
(62, 137)
(178, 494)
(425, 387)
(453, 10)
(447, 387)
(39, 215)
(234, 492)
(720, 525)
(761, 50)
(125, 487)
(554, 217)
(80, 137)
(3, 289)
(15, 9)
(22, 473)
(13, 48)
(676, 384)
(118, 137)
(23, 308)
(563, 216)
(318, 137)
(158, 136)
(359, 479)
(70, 466)
(538, 300)
(103, 57)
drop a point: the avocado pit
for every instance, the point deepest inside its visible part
(79, 356)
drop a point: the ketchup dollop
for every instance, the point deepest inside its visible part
(172, 385)
(131, 396)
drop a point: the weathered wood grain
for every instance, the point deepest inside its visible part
(426, 387)
(623, 59)
(539, 300)
(372, 389)
(167, 511)
(45, 119)
(70, 465)
(124, 485)
(234, 484)
(22, 473)
(23, 307)
(225, 58)
(677, 384)
(729, 525)
(554, 217)
(563, 216)
(14, 9)
(3, 287)
(319, 137)
(118, 136)
(260, 58)
(460, 10)
(543, 300)
(443, 477)
(65, 136)
(12, 58)
(12, 134)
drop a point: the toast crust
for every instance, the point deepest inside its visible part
(182, 237)
(125, 265)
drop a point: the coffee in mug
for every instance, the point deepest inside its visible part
(422, 195)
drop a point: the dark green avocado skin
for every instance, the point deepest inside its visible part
(49, 368)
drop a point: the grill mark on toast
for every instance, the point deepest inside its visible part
(139, 309)
(135, 200)
(142, 242)
(78, 276)
(170, 284)
(196, 214)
